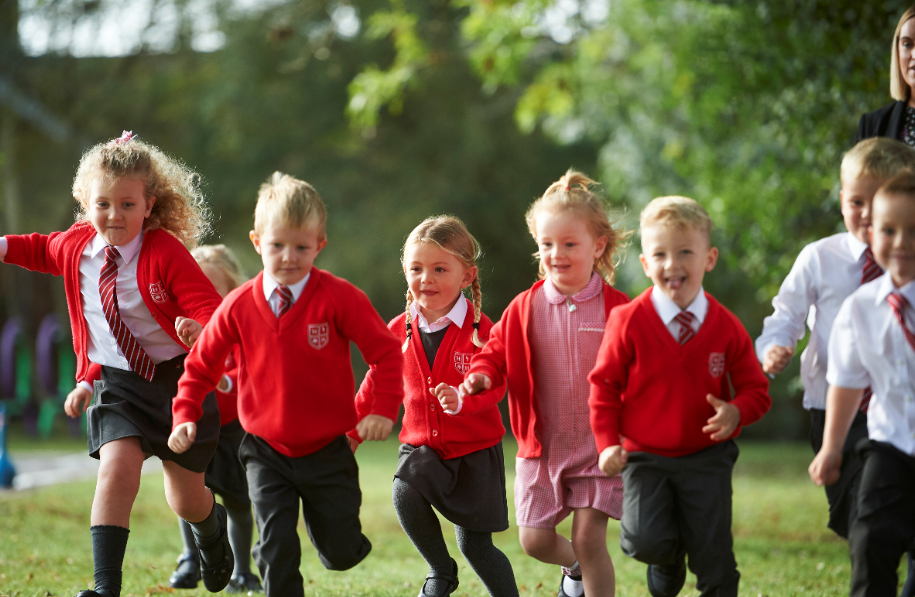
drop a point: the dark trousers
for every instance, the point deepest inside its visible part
(843, 494)
(885, 526)
(327, 483)
(677, 506)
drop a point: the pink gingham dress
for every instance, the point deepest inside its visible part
(564, 347)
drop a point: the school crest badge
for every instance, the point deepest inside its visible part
(157, 292)
(318, 335)
(716, 364)
(462, 362)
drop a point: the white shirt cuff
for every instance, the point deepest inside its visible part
(460, 403)
(228, 381)
(85, 385)
(3, 248)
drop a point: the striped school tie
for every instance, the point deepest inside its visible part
(685, 319)
(285, 300)
(139, 361)
(899, 303)
(871, 271)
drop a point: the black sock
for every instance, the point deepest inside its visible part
(207, 530)
(421, 525)
(109, 542)
(241, 529)
(487, 561)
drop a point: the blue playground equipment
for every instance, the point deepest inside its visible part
(15, 375)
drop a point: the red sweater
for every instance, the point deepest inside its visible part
(475, 427)
(228, 401)
(295, 381)
(507, 357)
(652, 391)
(165, 270)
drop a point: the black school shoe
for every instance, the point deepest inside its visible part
(666, 581)
(246, 582)
(187, 574)
(562, 592)
(217, 574)
(451, 579)
(99, 593)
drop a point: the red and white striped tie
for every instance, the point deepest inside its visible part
(685, 319)
(872, 269)
(285, 300)
(139, 361)
(899, 303)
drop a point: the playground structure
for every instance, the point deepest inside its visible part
(35, 379)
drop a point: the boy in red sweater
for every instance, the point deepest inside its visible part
(293, 325)
(673, 350)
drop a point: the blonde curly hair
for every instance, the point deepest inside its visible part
(179, 207)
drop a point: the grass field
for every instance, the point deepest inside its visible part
(781, 542)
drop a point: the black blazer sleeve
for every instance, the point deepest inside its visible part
(885, 122)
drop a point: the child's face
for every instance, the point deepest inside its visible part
(288, 252)
(218, 278)
(435, 278)
(117, 209)
(893, 236)
(676, 259)
(857, 195)
(568, 250)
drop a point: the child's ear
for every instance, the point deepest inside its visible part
(321, 246)
(469, 274)
(255, 240)
(600, 245)
(712, 259)
(149, 205)
(644, 263)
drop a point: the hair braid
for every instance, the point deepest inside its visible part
(406, 343)
(477, 294)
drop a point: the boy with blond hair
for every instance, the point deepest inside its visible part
(662, 382)
(825, 274)
(293, 324)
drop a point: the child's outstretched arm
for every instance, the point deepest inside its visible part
(841, 407)
(751, 387)
(608, 379)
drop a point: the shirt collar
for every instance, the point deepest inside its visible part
(126, 251)
(886, 287)
(270, 285)
(554, 297)
(456, 315)
(855, 246)
(668, 309)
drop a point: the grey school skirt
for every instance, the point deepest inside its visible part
(127, 405)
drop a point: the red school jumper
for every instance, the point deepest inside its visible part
(651, 390)
(169, 279)
(295, 382)
(507, 357)
(476, 427)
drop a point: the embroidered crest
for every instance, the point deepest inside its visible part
(157, 292)
(317, 335)
(716, 364)
(462, 362)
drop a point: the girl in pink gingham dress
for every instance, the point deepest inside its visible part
(544, 347)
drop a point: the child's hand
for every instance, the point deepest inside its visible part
(353, 444)
(725, 421)
(77, 402)
(612, 460)
(182, 437)
(474, 384)
(824, 470)
(447, 397)
(188, 330)
(776, 359)
(374, 428)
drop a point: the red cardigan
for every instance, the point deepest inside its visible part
(424, 422)
(169, 279)
(295, 381)
(507, 357)
(652, 391)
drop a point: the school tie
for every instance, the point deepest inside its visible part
(899, 303)
(139, 361)
(685, 319)
(285, 300)
(871, 270)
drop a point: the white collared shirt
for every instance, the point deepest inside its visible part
(668, 310)
(273, 298)
(825, 273)
(102, 348)
(868, 347)
(456, 316)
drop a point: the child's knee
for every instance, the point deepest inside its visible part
(343, 555)
(536, 543)
(650, 549)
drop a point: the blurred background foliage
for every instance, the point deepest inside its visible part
(399, 109)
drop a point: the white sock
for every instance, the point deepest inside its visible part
(572, 588)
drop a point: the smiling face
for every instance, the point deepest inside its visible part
(288, 252)
(676, 259)
(117, 209)
(893, 236)
(906, 49)
(857, 195)
(567, 250)
(435, 277)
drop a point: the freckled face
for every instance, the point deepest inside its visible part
(436, 278)
(117, 209)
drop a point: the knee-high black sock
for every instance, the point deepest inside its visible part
(488, 562)
(421, 525)
(207, 530)
(241, 530)
(109, 542)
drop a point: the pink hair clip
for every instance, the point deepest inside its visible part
(124, 138)
(568, 188)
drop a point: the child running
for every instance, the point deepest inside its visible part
(543, 347)
(292, 326)
(451, 456)
(136, 298)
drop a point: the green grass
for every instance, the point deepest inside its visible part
(781, 541)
